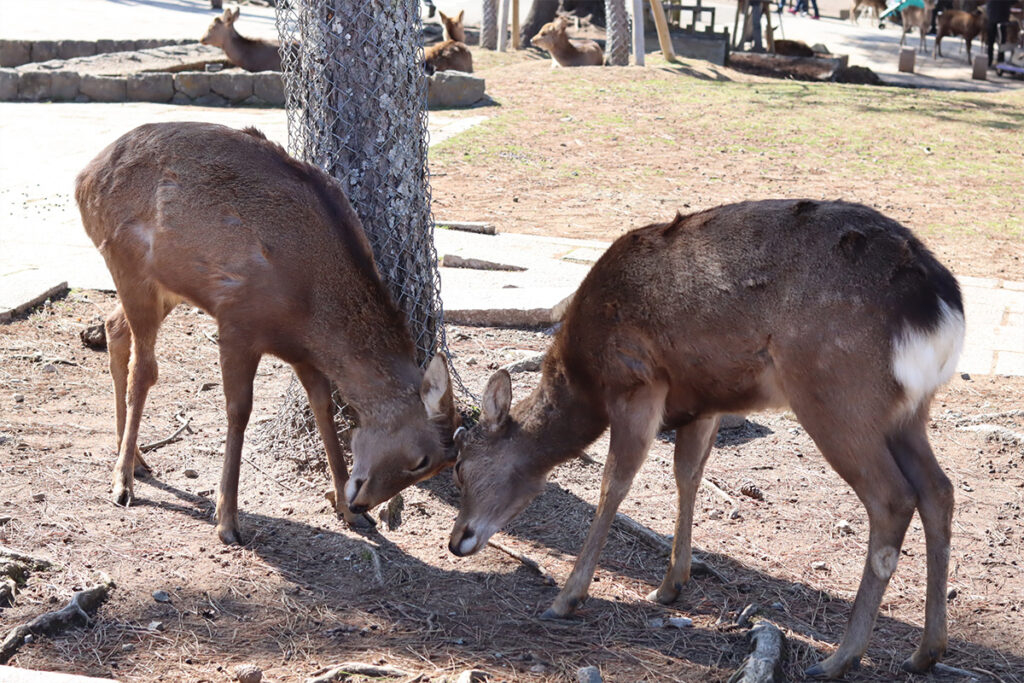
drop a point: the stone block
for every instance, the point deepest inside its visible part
(979, 68)
(234, 87)
(181, 98)
(150, 88)
(104, 88)
(192, 83)
(69, 49)
(124, 46)
(253, 102)
(34, 86)
(44, 50)
(105, 46)
(453, 89)
(269, 87)
(8, 85)
(15, 52)
(64, 85)
(907, 56)
(211, 100)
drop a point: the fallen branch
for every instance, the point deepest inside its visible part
(947, 670)
(714, 488)
(12, 555)
(53, 623)
(764, 663)
(346, 669)
(526, 560)
(664, 544)
(170, 439)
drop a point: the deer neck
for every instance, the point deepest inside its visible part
(563, 49)
(559, 419)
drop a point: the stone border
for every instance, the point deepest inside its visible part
(221, 88)
(18, 52)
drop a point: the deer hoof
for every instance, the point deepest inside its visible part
(141, 467)
(663, 596)
(920, 662)
(830, 668)
(123, 495)
(229, 536)
(551, 615)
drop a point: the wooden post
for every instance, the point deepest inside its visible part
(907, 55)
(503, 26)
(638, 32)
(515, 24)
(664, 39)
(980, 71)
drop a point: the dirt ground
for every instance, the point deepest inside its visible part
(305, 592)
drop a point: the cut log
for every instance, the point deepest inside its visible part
(764, 663)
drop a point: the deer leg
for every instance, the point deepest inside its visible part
(935, 506)
(693, 445)
(119, 350)
(318, 389)
(238, 365)
(634, 423)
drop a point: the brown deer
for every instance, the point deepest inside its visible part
(553, 38)
(954, 22)
(830, 308)
(451, 54)
(248, 53)
(271, 248)
(919, 18)
(877, 7)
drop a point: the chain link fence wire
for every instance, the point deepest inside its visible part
(618, 31)
(489, 25)
(356, 95)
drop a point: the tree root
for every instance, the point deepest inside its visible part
(53, 623)
(764, 663)
(14, 569)
(344, 670)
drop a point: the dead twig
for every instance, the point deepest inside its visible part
(170, 439)
(664, 544)
(714, 488)
(346, 669)
(52, 623)
(526, 560)
(764, 663)
(947, 670)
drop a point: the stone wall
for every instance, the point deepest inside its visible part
(18, 52)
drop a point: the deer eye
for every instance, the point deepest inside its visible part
(457, 473)
(422, 464)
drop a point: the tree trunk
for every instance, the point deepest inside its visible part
(541, 12)
(489, 25)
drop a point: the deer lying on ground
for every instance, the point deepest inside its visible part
(877, 7)
(248, 53)
(954, 22)
(271, 248)
(830, 308)
(553, 38)
(451, 54)
(919, 18)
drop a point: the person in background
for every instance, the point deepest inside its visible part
(996, 12)
(801, 7)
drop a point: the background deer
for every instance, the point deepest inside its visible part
(553, 38)
(830, 308)
(954, 22)
(919, 18)
(248, 53)
(876, 7)
(271, 248)
(451, 54)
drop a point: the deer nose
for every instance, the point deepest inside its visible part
(456, 547)
(356, 486)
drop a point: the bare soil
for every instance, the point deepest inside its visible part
(305, 592)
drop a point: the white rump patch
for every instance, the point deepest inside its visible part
(922, 361)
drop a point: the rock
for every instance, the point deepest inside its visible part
(69, 49)
(860, 75)
(588, 674)
(844, 528)
(715, 514)
(529, 364)
(734, 513)
(819, 566)
(8, 85)
(49, 368)
(34, 86)
(161, 596)
(44, 50)
(156, 626)
(269, 87)
(104, 88)
(732, 421)
(965, 376)
(473, 676)
(232, 86)
(453, 89)
(39, 497)
(191, 474)
(15, 52)
(94, 336)
(820, 49)
(248, 673)
(19, 398)
(192, 83)
(4, 519)
(211, 100)
(680, 622)
(155, 87)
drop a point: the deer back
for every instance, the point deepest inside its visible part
(247, 53)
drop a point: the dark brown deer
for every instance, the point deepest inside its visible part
(248, 53)
(271, 248)
(451, 54)
(554, 38)
(830, 308)
(954, 22)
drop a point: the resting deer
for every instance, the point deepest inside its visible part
(248, 53)
(919, 18)
(553, 38)
(271, 248)
(830, 308)
(877, 7)
(451, 54)
(954, 22)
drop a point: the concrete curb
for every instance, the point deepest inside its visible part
(18, 52)
(23, 293)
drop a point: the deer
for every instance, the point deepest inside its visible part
(919, 18)
(954, 22)
(877, 7)
(271, 248)
(451, 54)
(827, 307)
(553, 38)
(250, 54)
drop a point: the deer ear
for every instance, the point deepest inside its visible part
(444, 17)
(436, 389)
(232, 16)
(497, 400)
(458, 19)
